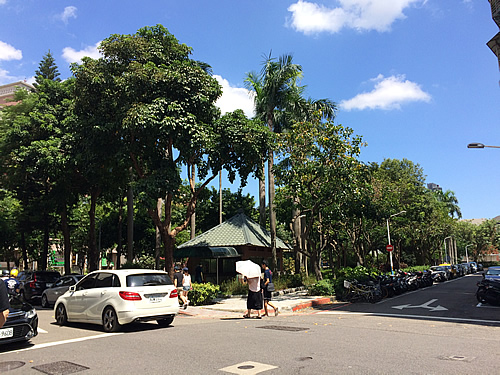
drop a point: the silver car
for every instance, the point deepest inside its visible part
(50, 295)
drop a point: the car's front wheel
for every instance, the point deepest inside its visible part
(45, 301)
(61, 316)
(110, 320)
(165, 322)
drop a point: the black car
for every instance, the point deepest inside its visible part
(21, 324)
(35, 282)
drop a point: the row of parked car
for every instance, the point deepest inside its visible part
(447, 271)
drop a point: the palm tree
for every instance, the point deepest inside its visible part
(279, 101)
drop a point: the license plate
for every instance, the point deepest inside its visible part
(6, 332)
(155, 299)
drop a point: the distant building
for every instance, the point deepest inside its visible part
(7, 92)
(494, 43)
(434, 187)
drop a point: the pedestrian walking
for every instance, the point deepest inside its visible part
(4, 304)
(178, 276)
(186, 287)
(268, 288)
(254, 299)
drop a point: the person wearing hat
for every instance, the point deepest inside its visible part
(186, 287)
(13, 286)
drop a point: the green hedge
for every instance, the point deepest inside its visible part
(203, 294)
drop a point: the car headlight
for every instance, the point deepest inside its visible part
(30, 314)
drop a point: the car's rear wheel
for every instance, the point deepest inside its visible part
(165, 322)
(45, 301)
(61, 316)
(110, 320)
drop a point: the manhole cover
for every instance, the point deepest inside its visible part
(284, 328)
(60, 368)
(10, 365)
(246, 367)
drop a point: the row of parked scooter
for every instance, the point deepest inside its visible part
(386, 286)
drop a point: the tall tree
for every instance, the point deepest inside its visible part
(47, 69)
(146, 94)
(278, 102)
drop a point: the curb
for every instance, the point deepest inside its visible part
(315, 302)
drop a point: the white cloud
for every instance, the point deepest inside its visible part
(71, 55)
(379, 15)
(2, 2)
(69, 12)
(389, 93)
(7, 52)
(235, 98)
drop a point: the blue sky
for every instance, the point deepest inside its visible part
(413, 77)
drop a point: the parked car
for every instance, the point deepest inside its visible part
(451, 271)
(21, 324)
(50, 295)
(493, 273)
(440, 273)
(458, 269)
(117, 297)
(35, 282)
(467, 268)
(480, 267)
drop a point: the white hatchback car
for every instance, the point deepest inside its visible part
(114, 298)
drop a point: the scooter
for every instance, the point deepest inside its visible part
(488, 291)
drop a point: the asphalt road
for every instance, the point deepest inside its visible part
(383, 338)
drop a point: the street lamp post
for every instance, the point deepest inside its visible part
(480, 145)
(466, 253)
(389, 238)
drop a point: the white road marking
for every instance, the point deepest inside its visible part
(55, 343)
(465, 320)
(422, 306)
(248, 368)
(41, 330)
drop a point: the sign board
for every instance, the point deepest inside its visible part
(389, 247)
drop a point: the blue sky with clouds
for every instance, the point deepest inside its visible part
(413, 77)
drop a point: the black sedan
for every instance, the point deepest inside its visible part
(22, 323)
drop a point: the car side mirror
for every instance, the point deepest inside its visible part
(484, 275)
(72, 288)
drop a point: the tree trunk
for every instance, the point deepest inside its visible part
(296, 238)
(130, 224)
(262, 199)
(159, 205)
(315, 259)
(93, 253)
(193, 216)
(24, 250)
(119, 246)
(67, 240)
(272, 212)
(46, 236)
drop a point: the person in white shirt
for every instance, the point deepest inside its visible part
(186, 287)
(254, 299)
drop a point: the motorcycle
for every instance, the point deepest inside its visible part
(488, 291)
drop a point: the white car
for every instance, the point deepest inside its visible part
(114, 298)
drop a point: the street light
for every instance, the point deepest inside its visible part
(466, 253)
(480, 145)
(389, 238)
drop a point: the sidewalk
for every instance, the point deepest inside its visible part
(236, 306)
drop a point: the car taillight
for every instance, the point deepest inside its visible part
(130, 296)
(173, 294)
(32, 284)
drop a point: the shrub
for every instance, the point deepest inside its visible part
(234, 287)
(322, 288)
(203, 294)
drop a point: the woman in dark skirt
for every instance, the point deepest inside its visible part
(254, 299)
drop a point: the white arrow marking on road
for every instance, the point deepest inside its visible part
(424, 306)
